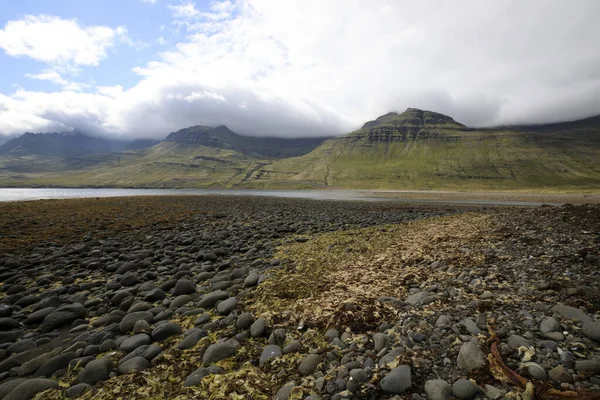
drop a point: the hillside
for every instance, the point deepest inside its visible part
(416, 149)
(67, 145)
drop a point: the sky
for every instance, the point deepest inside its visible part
(293, 68)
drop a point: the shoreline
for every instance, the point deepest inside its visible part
(185, 297)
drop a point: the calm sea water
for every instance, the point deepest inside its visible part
(363, 195)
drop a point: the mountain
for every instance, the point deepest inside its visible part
(262, 147)
(415, 149)
(67, 145)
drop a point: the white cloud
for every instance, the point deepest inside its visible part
(48, 75)
(312, 67)
(58, 41)
(149, 1)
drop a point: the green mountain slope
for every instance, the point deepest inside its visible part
(424, 150)
(413, 150)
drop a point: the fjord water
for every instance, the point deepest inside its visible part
(23, 194)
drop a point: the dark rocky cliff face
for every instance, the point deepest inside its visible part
(413, 124)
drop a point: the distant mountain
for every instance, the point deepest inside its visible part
(415, 149)
(222, 137)
(67, 145)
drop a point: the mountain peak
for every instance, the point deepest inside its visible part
(412, 117)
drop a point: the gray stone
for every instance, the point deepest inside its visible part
(397, 381)
(27, 389)
(470, 357)
(285, 391)
(380, 341)
(135, 364)
(591, 330)
(258, 328)
(548, 325)
(571, 313)
(359, 375)
(417, 298)
(180, 301)
(135, 341)
(536, 371)
(292, 347)
(165, 331)
(8, 386)
(464, 389)
(210, 299)
(191, 339)
(21, 346)
(587, 366)
(251, 280)
(516, 341)
(492, 392)
(95, 371)
(196, 377)
(244, 320)
(184, 286)
(270, 351)
(471, 326)
(220, 351)
(437, 389)
(77, 390)
(55, 363)
(129, 320)
(560, 374)
(152, 352)
(309, 364)
(226, 306)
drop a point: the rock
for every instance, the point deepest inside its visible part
(190, 340)
(437, 389)
(21, 346)
(470, 357)
(31, 366)
(141, 326)
(397, 381)
(38, 316)
(591, 330)
(536, 371)
(8, 386)
(471, 326)
(587, 366)
(332, 334)
(251, 280)
(135, 364)
(285, 391)
(184, 286)
(258, 328)
(309, 364)
(226, 306)
(560, 374)
(135, 341)
(7, 324)
(492, 392)
(57, 319)
(277, 336)
(77, 390)
(155, 295)
(211, 299)
(180, 301)
(195, 377)
(220, 351)
(416, 298)
(516, 341)
(107, 346)
(55, 363)
(359, 375)
(27, 389)
(152, 352)
(464, 389)
(571, 313)
(270, 351)
(380, 341)
(443, 321)
(129, 320)
(548, 325)
(95, 371)
(556, 336)
(244, 320)
(292, 347)
(165, 331)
